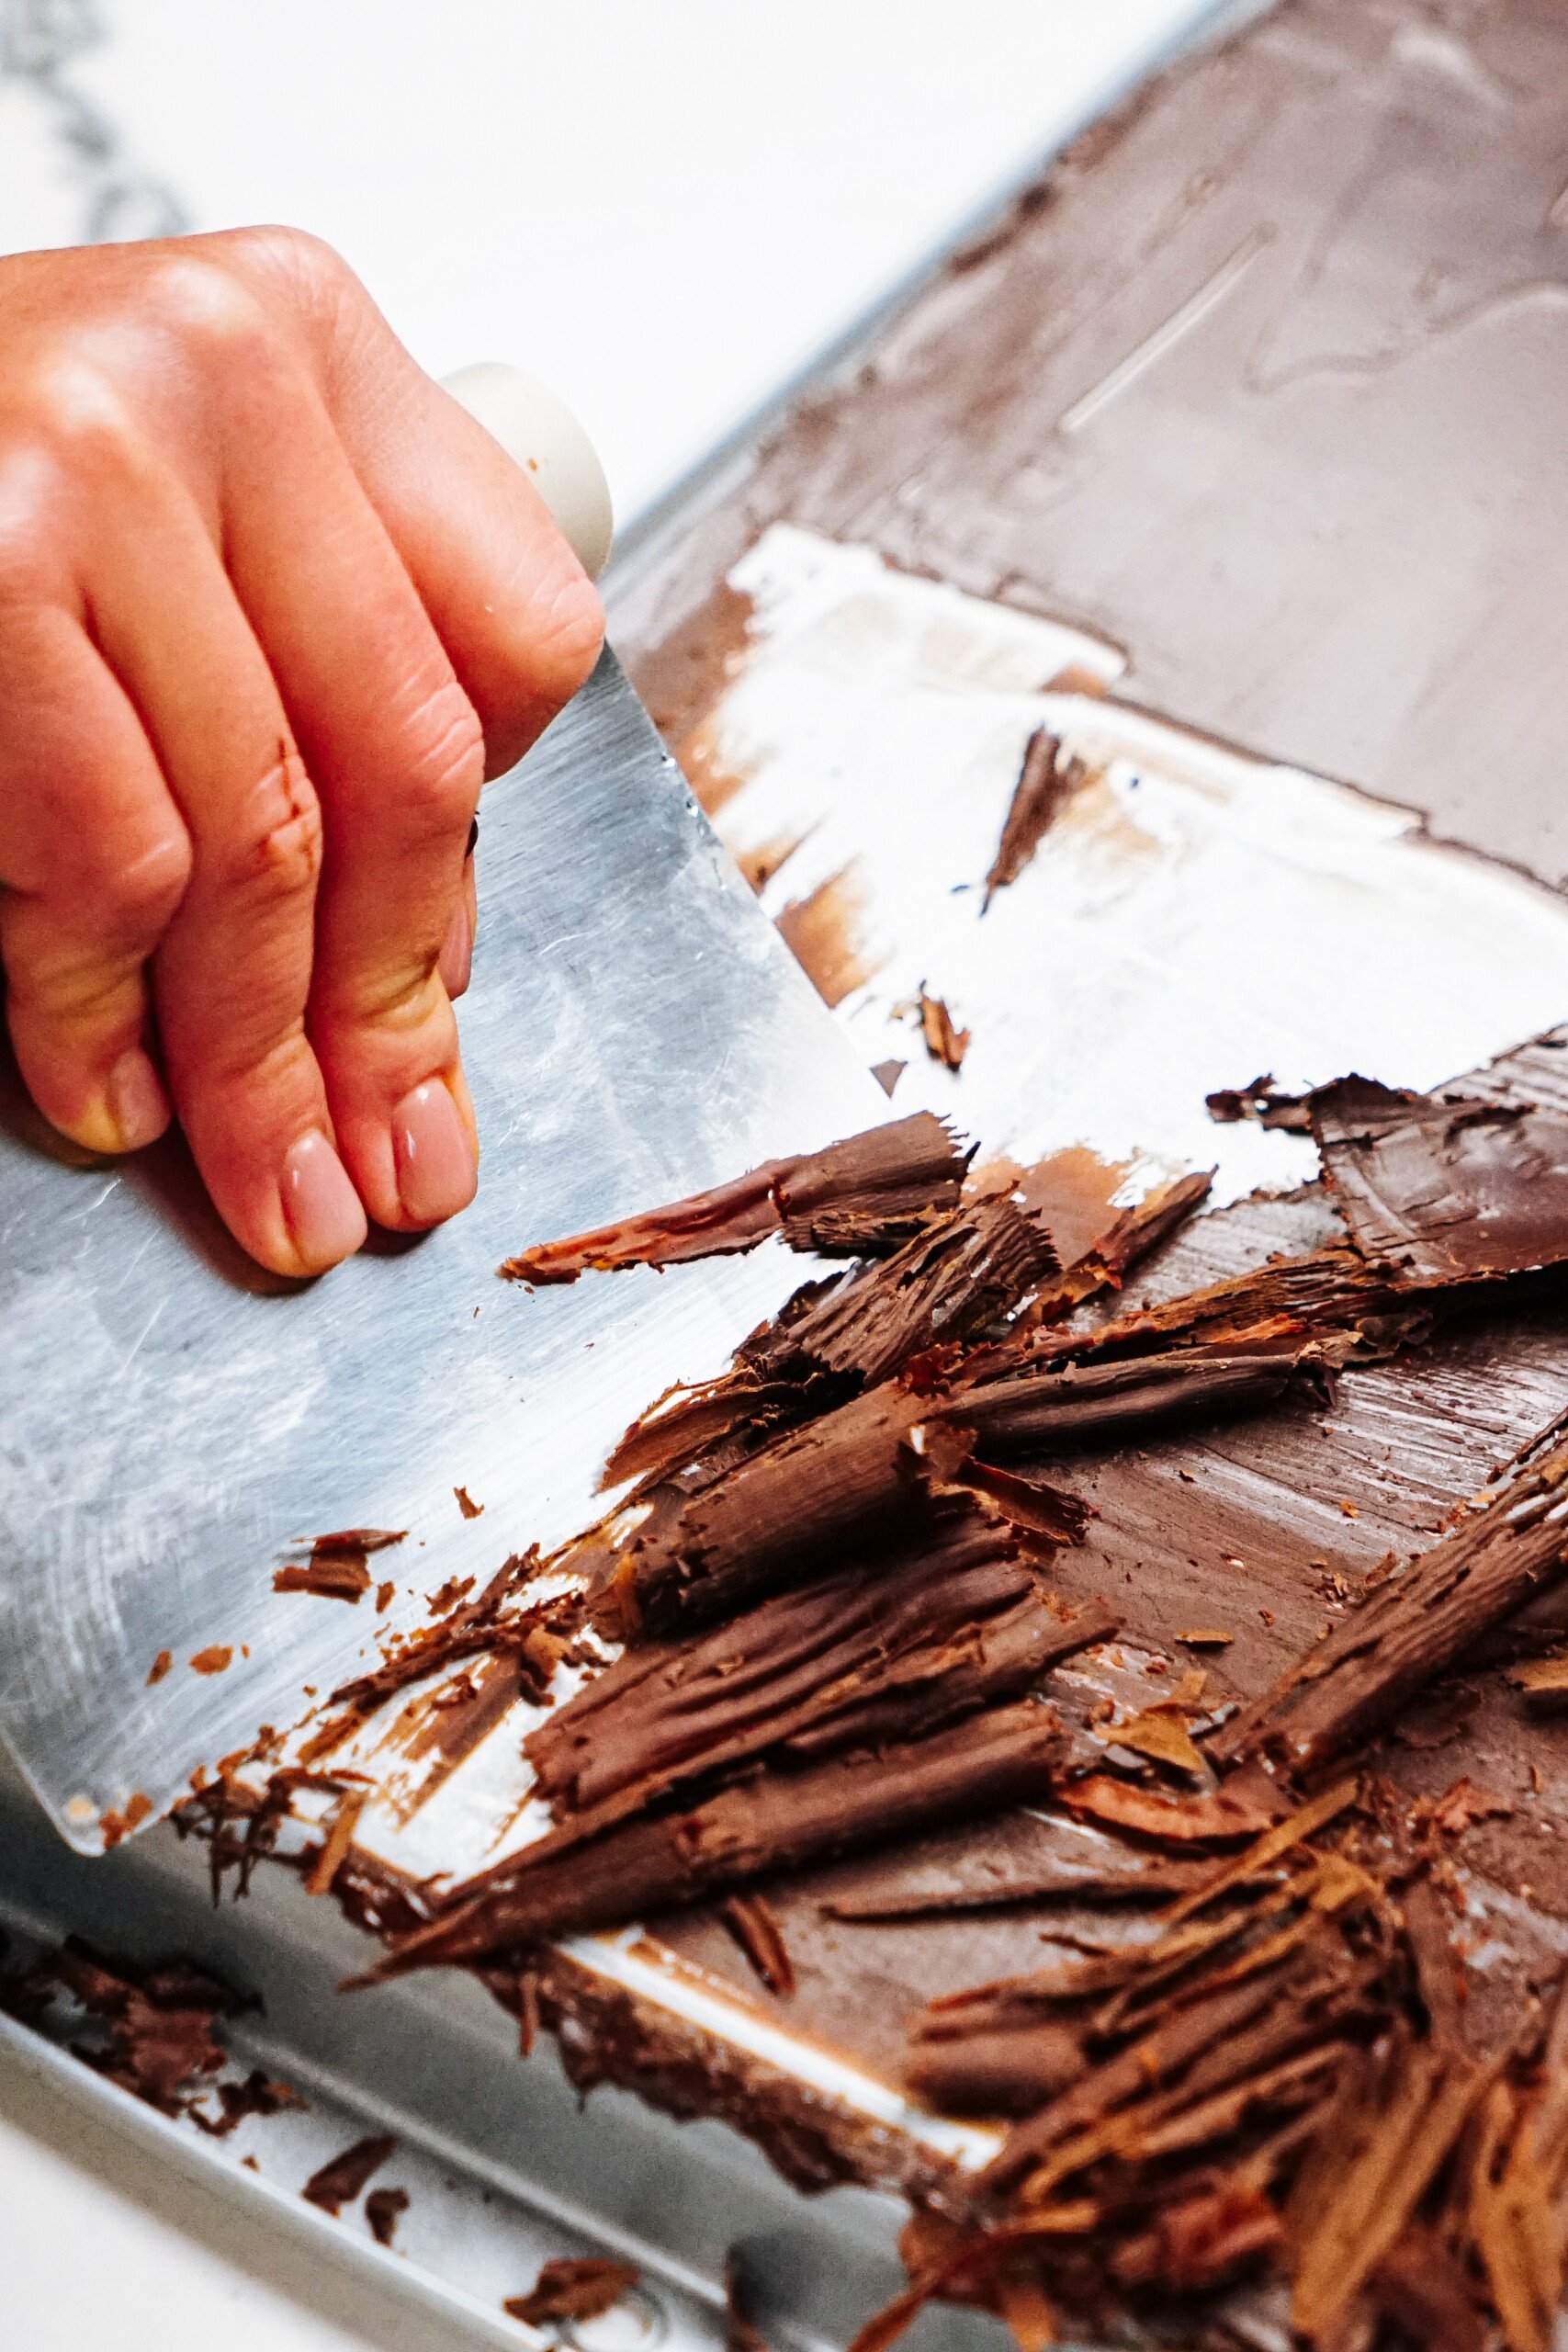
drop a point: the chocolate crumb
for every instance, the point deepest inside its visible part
(384, 2208)
(568, 2289)
(338, 2183)
(160, 1667)
(467, 1505)
(214, 1659)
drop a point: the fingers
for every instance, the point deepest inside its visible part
(232, 969)
(396, 751)
(519, 618)
(95, 860)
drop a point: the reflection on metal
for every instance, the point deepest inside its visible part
(170, 1419)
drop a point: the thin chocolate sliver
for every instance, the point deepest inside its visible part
(776, 1821)
(337, 2184)
(867, 1192)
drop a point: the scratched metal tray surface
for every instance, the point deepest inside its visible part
(505, 2167)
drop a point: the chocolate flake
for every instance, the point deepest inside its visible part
(160, 1667)
(567, 2288)
(754, 1925)
(1044, 786)
(944, 1041)
(868, 1193)
(384, 2209)
(467, 1505)
(214, 1659)
(338, 2183)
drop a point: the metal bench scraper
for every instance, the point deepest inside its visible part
(172, 1420)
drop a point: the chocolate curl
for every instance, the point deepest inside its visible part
(864, 1195)
(1416, 1626)
(776, 1822)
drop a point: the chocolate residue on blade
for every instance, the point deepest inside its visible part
(1446, 1187)
(821, 933)
(1045, 783)
(332, 1577)
(337, 2184)
(866, 1194)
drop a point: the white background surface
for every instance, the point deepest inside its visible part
(663, 206)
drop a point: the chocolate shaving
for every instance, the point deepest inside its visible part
(1418, 1624)
(1043, 788)
(773, 1821)
(335, 2185)
(384, 2209)
(1445, 1187)
(1054, 1413)
(866, 1195)
(944, 1041)
(879, 1650)
(332, 1577)
(755, 1927)
(585, 2287)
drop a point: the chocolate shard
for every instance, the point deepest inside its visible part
(864, 1195)
(865, 1469)
(1045, 783)
(960, 1619)
(333, 2186)
(1446, 1187)
(1418, 1624)
(568, 2289)
(775, 1821)
(1334, 1290)
(384, 2209)
(944, 1041)
(1262, 1100)
(332, 1577)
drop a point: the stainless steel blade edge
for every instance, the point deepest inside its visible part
(169, 1421)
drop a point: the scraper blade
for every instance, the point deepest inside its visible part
(172, 1420)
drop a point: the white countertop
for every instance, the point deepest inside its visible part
(665, 206)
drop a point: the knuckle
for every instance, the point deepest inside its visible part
(299, 264)
(200, 301)
(277, 856)
(141, 892)
(446, 766)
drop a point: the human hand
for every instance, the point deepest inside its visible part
(272, 606)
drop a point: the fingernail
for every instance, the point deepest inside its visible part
(456, 962)
(436, 1176)
(323, 1213)
(138, 1104)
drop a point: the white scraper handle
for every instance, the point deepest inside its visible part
(537, 430)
